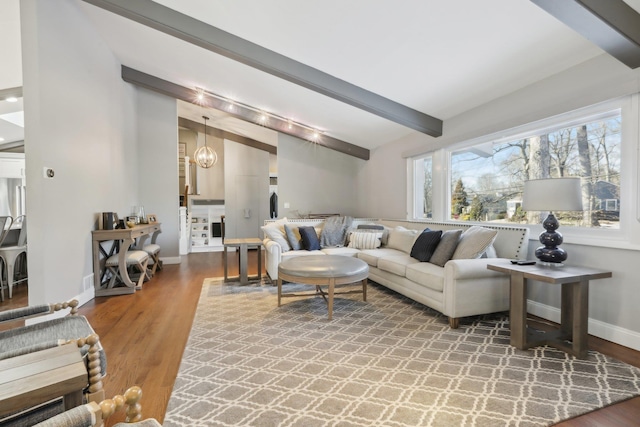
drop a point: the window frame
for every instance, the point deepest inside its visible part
(627, 235)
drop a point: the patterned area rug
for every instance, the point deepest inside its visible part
(385, 362)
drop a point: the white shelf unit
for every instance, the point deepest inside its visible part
(203, 237)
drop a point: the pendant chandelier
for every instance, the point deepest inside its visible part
(204, 156)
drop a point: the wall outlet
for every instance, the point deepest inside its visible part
(87, 282)
(287, 205)
(48, 173)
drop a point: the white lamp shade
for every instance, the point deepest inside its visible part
(553, 194)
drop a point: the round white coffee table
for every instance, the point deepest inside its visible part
(323, 270)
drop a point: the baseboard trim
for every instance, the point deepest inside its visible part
(597, 328)
(82, 298)
(171, 260)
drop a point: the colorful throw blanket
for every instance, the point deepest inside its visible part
(334, 232)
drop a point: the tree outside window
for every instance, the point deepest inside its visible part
(487, 183)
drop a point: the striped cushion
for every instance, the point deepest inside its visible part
(474, 242)
(365, 240)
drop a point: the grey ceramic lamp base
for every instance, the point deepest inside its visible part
(551, 254)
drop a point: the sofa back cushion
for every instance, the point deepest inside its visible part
(402, 239)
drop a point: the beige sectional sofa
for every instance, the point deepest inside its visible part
(461, 287)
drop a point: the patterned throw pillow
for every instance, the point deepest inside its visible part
(365, 239)
(474, 242)
(425, 245)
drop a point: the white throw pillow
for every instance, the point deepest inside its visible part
(365, 239)
(474, 242)
(402, 239)
(275, 232)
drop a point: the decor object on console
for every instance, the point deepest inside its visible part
(205, 156)
(552, 194)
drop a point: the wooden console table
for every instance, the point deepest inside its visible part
(35, 378)
(125, 238)
(574, 305)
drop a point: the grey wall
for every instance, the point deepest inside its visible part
(157, 165)
(613, 302)
(80, 120)
(316, 179)
(246, 180)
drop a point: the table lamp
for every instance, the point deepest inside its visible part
(553, 194)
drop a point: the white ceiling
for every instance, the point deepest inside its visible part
(441, 57)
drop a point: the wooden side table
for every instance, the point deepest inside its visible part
(574, 306)
(243, 246)
(35, 378)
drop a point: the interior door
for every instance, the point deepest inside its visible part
(247, 209)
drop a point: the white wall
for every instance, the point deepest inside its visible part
(80, 121)
(312, 178)
(613, 302)
(157, 146)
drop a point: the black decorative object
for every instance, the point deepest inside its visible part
(553, 194)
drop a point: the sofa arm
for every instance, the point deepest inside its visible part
(273, 247)
(457, 269)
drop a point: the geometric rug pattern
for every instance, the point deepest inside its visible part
(388, 361)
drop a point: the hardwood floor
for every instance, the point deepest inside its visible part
(144, 335)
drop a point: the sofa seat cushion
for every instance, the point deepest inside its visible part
(345, 251)
(292, 254)
(371, 256)
(396, 264)
(427, 274)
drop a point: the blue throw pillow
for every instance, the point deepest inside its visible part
(425, 245)
(309, 238)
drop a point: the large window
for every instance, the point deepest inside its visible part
(487, 180)
(423, 185)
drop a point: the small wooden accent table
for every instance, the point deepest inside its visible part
(35, 378)
(126, 237)
(243, 246)
(574, 306)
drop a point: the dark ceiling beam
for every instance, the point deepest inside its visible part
(612, 24)
(173, 90)
(196, 32)
(223, 134)
(11, 92)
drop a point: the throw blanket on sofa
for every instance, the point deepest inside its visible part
(334, 232)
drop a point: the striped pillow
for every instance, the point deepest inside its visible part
(365, 239)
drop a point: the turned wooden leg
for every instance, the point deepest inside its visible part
(364, 289)
(95, 391)
(454, 322)
(131, 399)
